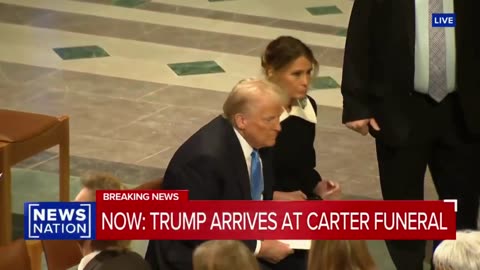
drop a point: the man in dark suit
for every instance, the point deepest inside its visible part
(416, 89)
(227, 160)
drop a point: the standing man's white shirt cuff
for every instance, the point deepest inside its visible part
(257, 248)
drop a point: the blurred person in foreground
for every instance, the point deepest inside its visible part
(463, 253)
(340, 255)
(224, 255)
(106, 254)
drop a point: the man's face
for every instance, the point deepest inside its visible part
(261, 124)
(85, 195)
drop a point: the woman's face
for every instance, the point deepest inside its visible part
(295, 77)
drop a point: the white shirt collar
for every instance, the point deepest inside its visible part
(305, 112)
(247, 152)
(86, 259)
(246, 148)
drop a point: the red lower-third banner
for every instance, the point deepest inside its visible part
(132, 215)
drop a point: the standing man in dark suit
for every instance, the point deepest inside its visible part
(224, 160)
(416, 89)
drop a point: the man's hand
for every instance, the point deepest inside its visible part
(361, 126)
(274, 251)
(289, 196)
(328, 190)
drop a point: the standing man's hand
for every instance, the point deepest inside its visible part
(361, 126)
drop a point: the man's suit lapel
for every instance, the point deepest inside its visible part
(236, 157)
(464, 11)
(241, 171)
(405, 20)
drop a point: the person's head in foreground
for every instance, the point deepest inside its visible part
(224, 255)
(290, 63)
(97, 181)
(460, 254)
(254, 107)
(90, 184)
(340, 255)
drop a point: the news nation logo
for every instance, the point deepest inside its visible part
(444, 20)
(59, 221)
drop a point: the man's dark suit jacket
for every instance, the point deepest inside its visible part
(114, 260)
(378, 71)
(211, 165)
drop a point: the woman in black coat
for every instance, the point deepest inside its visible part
(290, 64)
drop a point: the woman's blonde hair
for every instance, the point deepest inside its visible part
(224, 255)
(340, 255)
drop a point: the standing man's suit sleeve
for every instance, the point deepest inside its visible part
(357, 62)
